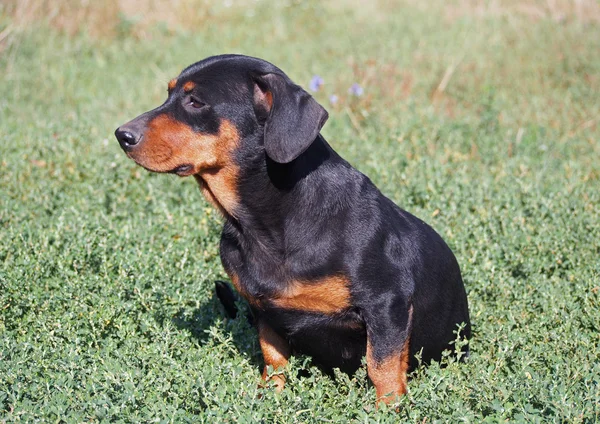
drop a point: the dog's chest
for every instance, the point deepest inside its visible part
(268, 283)
(327, 295)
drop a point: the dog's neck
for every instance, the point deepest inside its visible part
(218, 187)
(272, 194)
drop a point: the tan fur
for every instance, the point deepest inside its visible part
(389, 375)
(172, 84)
(236, 283)
(276, 352)
(328, 295)
(189, 86)
(169, 143)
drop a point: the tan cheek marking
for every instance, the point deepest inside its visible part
(170, 143)
(159, 144)
(276, 352)
(219, 182)
(328, 295)
(189, 86)
(172, 84)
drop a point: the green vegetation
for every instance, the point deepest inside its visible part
(481, 120)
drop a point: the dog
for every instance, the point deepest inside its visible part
(330, 267)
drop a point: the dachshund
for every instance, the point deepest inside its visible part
(330, 267)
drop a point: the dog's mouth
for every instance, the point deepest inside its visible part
(183, 170)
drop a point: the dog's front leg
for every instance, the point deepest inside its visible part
(388, 352)
(276, 352)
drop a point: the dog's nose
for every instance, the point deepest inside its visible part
(126, 138)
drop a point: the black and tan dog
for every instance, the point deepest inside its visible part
(330, 266)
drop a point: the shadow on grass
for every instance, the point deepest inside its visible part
(240, 328)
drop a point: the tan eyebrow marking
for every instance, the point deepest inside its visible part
(172, 84)
(189, 86)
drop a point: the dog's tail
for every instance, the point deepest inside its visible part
(227, 297)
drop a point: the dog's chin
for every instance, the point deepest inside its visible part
(183, 170)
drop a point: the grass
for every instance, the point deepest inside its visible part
(484, 124)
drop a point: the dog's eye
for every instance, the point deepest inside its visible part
(196, 104)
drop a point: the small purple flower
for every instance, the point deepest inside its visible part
(315, 83)
(333, 99)
(356, 90)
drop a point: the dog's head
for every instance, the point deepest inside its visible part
(217, 106)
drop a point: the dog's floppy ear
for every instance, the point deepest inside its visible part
(292, 118)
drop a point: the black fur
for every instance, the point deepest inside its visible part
(227, 298)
